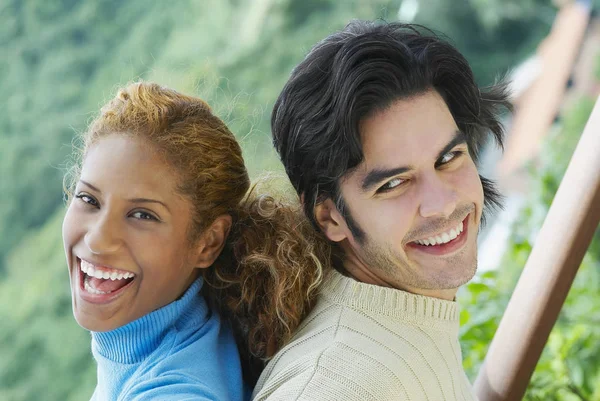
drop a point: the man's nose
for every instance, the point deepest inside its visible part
(438, 198)
(103, 235)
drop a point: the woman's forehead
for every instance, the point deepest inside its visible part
(128, 164)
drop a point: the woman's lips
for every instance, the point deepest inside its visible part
(97, 297)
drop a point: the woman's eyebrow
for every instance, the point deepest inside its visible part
(133, 200)
(87, 184)
(146, 200)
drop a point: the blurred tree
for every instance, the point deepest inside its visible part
(493, 35)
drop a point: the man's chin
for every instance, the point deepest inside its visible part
(449, 274)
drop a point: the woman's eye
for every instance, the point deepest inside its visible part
(87, 199)
(391, 184)
(143, 216)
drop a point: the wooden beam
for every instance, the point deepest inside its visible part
(536, 109)
(548, 275)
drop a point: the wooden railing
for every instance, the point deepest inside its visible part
(548, 275)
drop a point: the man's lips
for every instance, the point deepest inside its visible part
(448, 246)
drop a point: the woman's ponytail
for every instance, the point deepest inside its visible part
(266, 279)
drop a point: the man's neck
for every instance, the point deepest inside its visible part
(445, 294)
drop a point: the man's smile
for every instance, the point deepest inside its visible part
(445, 243)
(442, 238)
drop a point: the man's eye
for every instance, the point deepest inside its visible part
(87, 199)
(448, 157)
(391, 184)
(141, 215)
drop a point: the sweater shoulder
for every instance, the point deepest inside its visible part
(169, 385)
(174, 367)
(345, 353)
(337, 371)
(326, 360)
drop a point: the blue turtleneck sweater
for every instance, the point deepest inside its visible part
(181, 351)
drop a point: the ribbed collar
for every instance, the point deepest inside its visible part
(136, 340)
(390, 302)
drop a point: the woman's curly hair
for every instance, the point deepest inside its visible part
(266, 278)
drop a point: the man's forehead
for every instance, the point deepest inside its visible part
(407, 126)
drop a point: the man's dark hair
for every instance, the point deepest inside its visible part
(361, 70)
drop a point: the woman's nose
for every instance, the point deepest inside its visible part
(103, 236)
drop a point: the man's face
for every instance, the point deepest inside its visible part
(418, 199)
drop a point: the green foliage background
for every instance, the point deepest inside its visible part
(569, 369)
(60, 60)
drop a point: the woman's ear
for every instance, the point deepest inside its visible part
(331, 221)
(212, 241)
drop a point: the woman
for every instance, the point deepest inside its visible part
(158, 207)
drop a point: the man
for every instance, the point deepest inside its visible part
(379, 129)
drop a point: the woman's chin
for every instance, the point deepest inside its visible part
(92, 322)
(86, 323)
(98, 316)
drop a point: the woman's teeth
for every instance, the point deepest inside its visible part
(111, 274)
(442, 238)
(92, 290)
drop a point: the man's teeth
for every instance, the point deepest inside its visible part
(92, 271)
(443, 238)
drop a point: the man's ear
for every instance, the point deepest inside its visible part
(331, 221)
(212, 241)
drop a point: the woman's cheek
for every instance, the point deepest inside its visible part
(71, 225)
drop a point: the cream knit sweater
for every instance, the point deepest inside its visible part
(364, 342)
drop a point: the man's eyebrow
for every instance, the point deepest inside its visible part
(459, 138)
(377, 175)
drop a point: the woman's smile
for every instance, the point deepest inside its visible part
(101, 284)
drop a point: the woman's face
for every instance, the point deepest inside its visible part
(126, 235)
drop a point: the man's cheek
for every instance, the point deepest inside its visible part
(468, 182)
(390, 223)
